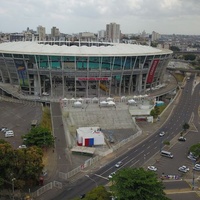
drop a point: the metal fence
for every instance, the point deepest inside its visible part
(42, 190)
(46, 188)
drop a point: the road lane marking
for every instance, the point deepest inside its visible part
(101, 176)
(135, 162)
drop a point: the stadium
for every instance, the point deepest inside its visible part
(81, 69)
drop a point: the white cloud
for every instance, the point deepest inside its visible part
(169, 4)
(93, 15)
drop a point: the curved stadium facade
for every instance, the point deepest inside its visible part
(82, 69)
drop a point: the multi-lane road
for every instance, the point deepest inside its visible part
(188, 103)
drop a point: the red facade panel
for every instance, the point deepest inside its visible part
(87, 142)
(152, 71)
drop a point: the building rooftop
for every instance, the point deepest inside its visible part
(64, 48)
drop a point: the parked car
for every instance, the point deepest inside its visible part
(44, 172)
(119, 164)
(152, 168)
(111, 175)
(4, 129)
(162, 134)
(183, 169)
(23, 146)
(196, 167)
(192, 157)
(182, 139)
(111, 139)
(82, 196)
(9, 133)
(45, 94)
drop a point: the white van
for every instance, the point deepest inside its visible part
(167, 154)
(9, 133)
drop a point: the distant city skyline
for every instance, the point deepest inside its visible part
(74, 16)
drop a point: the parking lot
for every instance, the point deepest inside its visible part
(168, 166)
(18, 117)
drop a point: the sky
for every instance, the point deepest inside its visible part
(74, 16)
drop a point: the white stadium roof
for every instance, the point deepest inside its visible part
(112, 49)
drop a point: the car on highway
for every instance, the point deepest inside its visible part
(111, 175)
(196, 167)
(152, 168)
(162, 134)
(182, 139)
(119, 164)
(183, 169)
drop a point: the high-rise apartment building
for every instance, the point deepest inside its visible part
(155, 36)
(55, 33)
(101, 35)
(113, 32)
(42, 33)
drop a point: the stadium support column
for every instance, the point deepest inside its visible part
(139, 83)
(36, 86)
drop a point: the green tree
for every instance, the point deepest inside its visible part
(154, 44)
(98, 193)
(152, 113)
(191, 57)
(25, 165)
(155, 112)
(137, 184)
(39, 136)
(186, 126)
(46, 119)
(174, 48)
(166, 143)
(195, 149)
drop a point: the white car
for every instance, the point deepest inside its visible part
(4, 129)
(192, 157)
(111, 175)
(9, 133)
(197, 167)
(152, 168)
(119, 164)
(183, 169)
(162, 134)
(23, 146)
(45, 94)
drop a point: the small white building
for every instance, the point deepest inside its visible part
(89, 136)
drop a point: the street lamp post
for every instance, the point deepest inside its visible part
(193, 175)
(13, 187)
(92, 180)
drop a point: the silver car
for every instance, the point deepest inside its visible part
(119, 164)
(183, 169)
(162, 134)
(197, 167)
